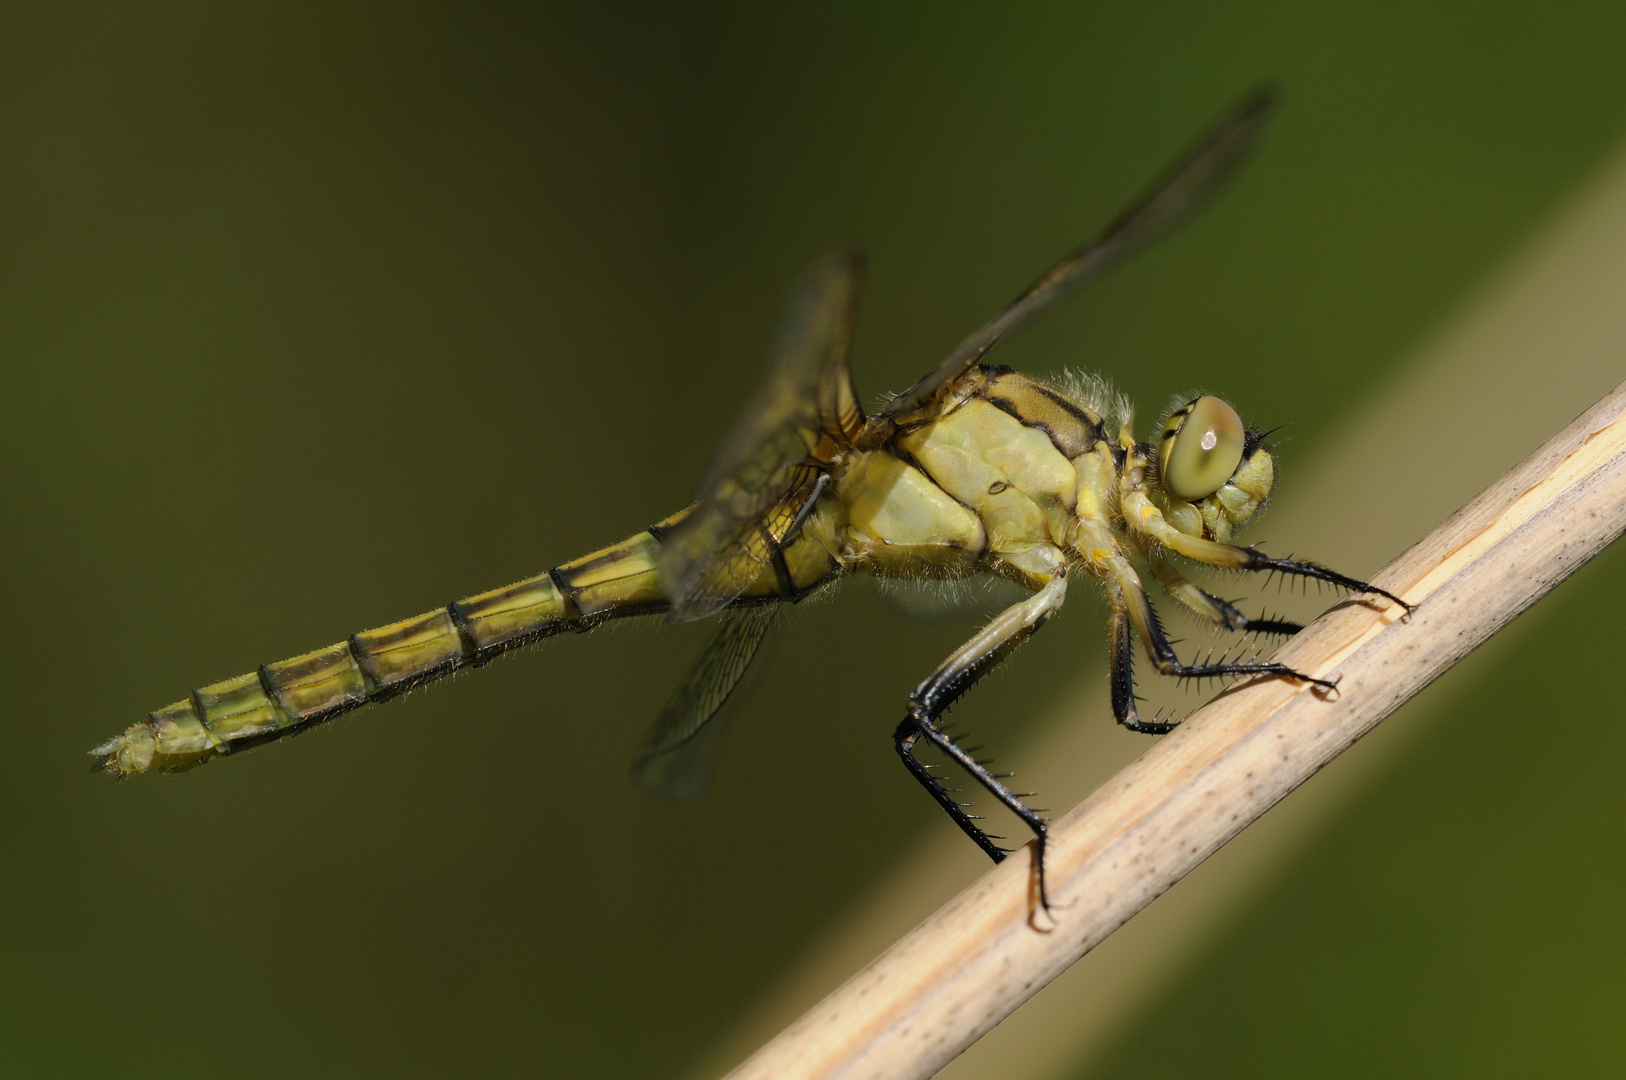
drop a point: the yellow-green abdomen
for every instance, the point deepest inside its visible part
(378, 664)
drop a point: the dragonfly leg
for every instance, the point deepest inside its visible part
(1152, 530)
(1126, 594)
(905, 738)
(1124, 709)
(943, 687)
(1231, 557)
(1254, 559)
(1211, 607)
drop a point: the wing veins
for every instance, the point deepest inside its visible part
(1177, 193)
(801, 411)
(676, 758)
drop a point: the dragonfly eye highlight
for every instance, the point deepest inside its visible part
(1202, 446)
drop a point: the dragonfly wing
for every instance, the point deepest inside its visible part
(802, 411)
(1182, 189)
(676, 758)
(721, 548)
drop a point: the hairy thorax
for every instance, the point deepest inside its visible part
(991, 483)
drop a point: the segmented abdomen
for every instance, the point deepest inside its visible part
(375, 665)
(378, 664)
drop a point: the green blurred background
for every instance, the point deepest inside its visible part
(313, 317)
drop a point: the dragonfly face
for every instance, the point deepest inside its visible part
(975, 469)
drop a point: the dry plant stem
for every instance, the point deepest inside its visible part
(971, 964)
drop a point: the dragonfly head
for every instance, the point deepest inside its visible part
(1216, 474)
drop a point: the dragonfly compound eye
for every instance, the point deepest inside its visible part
(1202, 446)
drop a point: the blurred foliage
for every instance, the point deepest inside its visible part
(315, 316)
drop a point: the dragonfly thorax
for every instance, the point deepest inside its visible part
(1020, 477)
(987, 484)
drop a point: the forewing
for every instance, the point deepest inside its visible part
(723, 546)
(802, 410)
(1176, 195)
(676, 758)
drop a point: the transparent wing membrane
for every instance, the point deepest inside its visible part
(731, 544)
(803, 410)
(676, 758)
(1182, 189)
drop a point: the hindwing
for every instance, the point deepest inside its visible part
(766, 469)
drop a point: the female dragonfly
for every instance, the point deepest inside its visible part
(975, 469)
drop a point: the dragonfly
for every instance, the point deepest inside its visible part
(975, 470)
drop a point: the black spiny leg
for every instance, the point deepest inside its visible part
(1144, 616)
(1123, 677)
(904, 739)
(958, 674)
(1232, 557)
(1268, 627)
(1212, 607)
(1258, 560)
